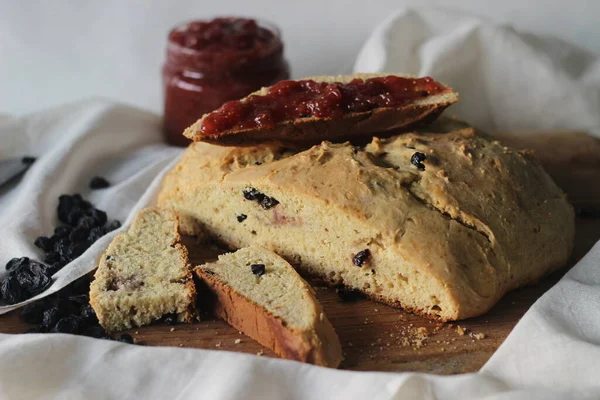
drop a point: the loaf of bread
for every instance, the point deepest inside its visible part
(260, 294)
(144, 274)
(440, 224)
(351, 125)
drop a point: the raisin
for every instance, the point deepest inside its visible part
(28, 160)
(68, 324)
(114, 225)
(33, 279)
(76, 249)
(61, 246)
(87, 313)
(33, 313)
(51, 257)
(99, 182)
(79, 234)
(417, 160)
(79, 300)
(51, 317)
(44, 243)
(252, 194)
(241, 217)
(95, 234)
(361, 257)
(16, 263)
(95, 331)
(62, 231)
(88, 223)
(268, 202)
(258, 269)
(79, 286)
(125, 338)
(98, 216)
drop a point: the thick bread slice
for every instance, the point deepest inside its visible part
(144, 274)
(448, 241)
(313, 130)
(278, 308)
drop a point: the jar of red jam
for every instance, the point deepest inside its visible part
(211, 62)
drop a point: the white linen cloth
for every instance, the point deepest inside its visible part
(554, 351)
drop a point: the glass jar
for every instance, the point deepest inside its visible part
(209, 63)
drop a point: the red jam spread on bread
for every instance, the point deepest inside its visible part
(290, 100)
(211, 62)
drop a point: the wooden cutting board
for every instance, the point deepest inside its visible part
(376, 337)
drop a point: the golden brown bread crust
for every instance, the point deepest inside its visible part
(572, 159)
(319, 347)
(351, 126)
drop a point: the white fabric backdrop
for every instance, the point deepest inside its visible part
(553, 352)
(52, 52)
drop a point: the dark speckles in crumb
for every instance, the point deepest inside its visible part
(253, 232)
(417, 160)
(258, 269)
(265, 201)
(361, 257)
(268, 202)
(241, 217)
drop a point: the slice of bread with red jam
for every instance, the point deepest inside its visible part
(333, 108)
(260, 294)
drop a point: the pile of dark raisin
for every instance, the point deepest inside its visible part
(67, 311)
(83, 224)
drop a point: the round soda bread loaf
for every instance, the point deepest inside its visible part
(144, 274)
(440, 224)
(311, 130)
(260, 294)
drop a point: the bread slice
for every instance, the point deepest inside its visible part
(144, 274)
(446, 237)
(260, 294)
(352, 125)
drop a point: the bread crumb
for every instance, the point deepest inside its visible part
(260, 353)
(237, 341)
(217, 332)
(460, 330)
(218, 344)
(239, 332)
(350, 344)
(137, 332)
(180, 344)
(479, 336)
(172, 329)
(376, 309)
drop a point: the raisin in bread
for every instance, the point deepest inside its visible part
(260, 294)
(313, 129)
(144, 274)
(440, 224)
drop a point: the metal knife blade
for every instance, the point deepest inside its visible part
(11, 168)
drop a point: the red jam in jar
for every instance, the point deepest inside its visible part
(211, 62)
(288, 100)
